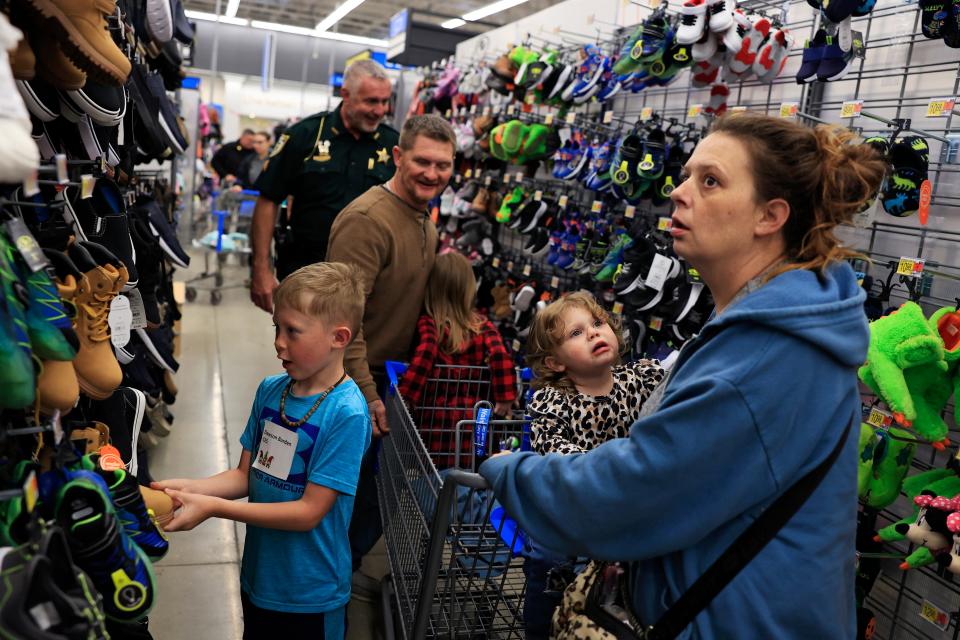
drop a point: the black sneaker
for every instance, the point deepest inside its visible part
(159, 344)
(167, 114)
(105, 104)
(147, 131)
(182, 29)
(72, 581)
(123, 413)
(149, 257)
(163, 230)
(41, 99)
(141, 372)
(101, 219)
(637, 259)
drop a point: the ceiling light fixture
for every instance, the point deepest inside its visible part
(200, 15)
(491, 9)
(313, 33)
(232, 7)
(453, 23)
(336, 15)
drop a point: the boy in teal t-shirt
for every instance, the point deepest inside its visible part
(302, 447)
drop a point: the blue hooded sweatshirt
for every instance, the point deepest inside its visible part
(754, 403)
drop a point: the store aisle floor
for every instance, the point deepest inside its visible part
(225, 351)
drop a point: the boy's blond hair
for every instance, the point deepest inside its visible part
(548, 333)
(330, 291)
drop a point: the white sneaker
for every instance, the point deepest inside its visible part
(773, 55)
(721, 15)
(19, 156)
(446, 200)
(693, 21)
(705, 47)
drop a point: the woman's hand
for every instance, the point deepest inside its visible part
(193, 509)
(503, 408)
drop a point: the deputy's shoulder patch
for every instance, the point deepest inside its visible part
(277, 148)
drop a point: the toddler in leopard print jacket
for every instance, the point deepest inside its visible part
(584, 397)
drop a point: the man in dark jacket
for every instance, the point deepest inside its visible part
(228, 158)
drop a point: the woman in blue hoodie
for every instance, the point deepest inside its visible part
(753, 404)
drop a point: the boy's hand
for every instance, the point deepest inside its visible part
(194, 509)
(503, 409)
(378, 414)
(180, 484)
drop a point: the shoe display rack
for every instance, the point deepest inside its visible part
(88, 317)
(571, 144)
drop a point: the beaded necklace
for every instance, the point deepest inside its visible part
(323, 396)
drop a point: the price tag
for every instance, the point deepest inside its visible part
(486, 110)
(31, 491)
(510, 265)
(851, 108)
(664, 223)
(596, 206)
(487, 180)
(30, 186)
(562, 202)
(473, 108)
(554, 282)
(120, 320)
(468, 173)
(571, 118)
(447, 114)
(737, 109)
(630, 211)
(607, 117)
(461, 111)
(910, 267)
(879, 418)
(617, 308)
(86, 185)
(527, 269)
(519, 176)
(506, 179)
(656, 323)
(139, 320)
(926, 192)
(538, 195)
(516, 345)
(659, 271)
(940, 107)
(788, 109)
(694, 110)
(496, 262)
(26, 244)
(61, 160)
(511, 110)
(935, 615)
(646, 113)
(103, 164)
(529, 98)
(548, 120)
(458, 179)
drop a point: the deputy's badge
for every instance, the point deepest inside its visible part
(323, 151)
(382, 155)
(277, 148)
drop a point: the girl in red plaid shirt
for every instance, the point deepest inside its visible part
(451, 332)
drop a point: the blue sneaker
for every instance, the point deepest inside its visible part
(580, 157)
(654, 155)
(568, 251)
(812, 55)
(561, 160)
(588, 74)
(119, 569)
(614, 259)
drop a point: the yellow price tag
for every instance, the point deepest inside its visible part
(527, 270)
(506, 179)
(86, 185)
(617, 308)
(664, 223)
(630, 211)
(468, 173)
(788, 109)
(562, 202)
(935, 615)
(511, 110)
(548, 120)
(510, 266)
(554, 282)
(61, 162)
(694, 110)
(571, 118)
(538, 195)
(607, 117)
(940, 107)
(516, 345)
(31, 186)
(737, 109)
(31, 491)
(529, 98)
(448, 114)
(911, 267)
(596, 206)
(487, 181)
(656, 323)
(646, 113)
(496, 262)
(879, 418)
(486, 110)
(851, 108)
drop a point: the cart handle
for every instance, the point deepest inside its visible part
(467, 479)
(395, 371)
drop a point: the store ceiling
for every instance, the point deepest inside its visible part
(369, 19)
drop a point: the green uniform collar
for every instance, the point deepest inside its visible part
(338, 128)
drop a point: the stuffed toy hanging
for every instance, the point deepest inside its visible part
(885, 457)
(950, 560)
(923, 489)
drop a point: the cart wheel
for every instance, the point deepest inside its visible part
(191, 294)
(215, 297)
(218, 279)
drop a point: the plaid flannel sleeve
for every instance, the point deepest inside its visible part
(502, 372)
(421, 364)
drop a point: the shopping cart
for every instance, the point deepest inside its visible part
(454, 554)
(232, 213)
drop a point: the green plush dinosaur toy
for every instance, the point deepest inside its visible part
(885, 457)
(907, 368)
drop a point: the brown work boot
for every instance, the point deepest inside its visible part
(482, 126)
(55, 67)
(493, 206)
(505, 68)
(98, 371)
(80, 26)
(159, 503)
(22, 61)
(57, 387)
(480, 201)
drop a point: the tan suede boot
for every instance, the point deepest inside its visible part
(56, 68)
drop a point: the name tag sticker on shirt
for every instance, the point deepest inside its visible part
(277, 446)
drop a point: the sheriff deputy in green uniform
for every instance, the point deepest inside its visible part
(324, 162)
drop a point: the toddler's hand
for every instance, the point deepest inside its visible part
(193, 509)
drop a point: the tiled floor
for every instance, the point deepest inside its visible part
(225, 351)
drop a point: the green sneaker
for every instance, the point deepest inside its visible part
(614, 258)
(511, 202)
(625, 63)
(14, 516)
(17, 381)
